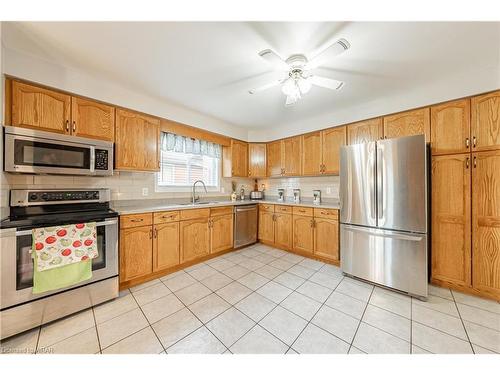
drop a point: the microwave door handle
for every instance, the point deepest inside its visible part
(98, 224)
(92, 159)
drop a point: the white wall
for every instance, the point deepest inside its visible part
(4, 185)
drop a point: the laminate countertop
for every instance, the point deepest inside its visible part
(125, 207)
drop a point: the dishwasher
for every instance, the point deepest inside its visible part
(245, 225)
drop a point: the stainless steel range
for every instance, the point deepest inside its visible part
(21, 310)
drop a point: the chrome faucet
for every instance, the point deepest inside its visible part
(194, 198)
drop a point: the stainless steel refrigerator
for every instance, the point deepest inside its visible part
(383, 213)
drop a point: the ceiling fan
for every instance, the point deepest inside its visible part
(298, 79)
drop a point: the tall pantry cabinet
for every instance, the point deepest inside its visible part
(465, 146)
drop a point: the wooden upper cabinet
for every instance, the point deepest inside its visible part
(221, 233)
(311, 154)
(256, 159)
(408, 123)
(486, 222)
(365, 131)
(274, 167)
(195, 239)
(451, 219)
(486, 121)
(136, 141)
(303, 233)
(41, 109)
(283, 230)
(136, 252)
(450, 127)
(91, 119)
(291, 156)
(166, 246)
(331, 140)
(235, 159)
(326, 238)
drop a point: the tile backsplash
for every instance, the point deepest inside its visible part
(329, 186)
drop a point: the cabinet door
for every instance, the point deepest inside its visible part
(136, 141)
(257, 160)
(486, 222)
(486, 122)
(266, 226)
(292, 155)
(239, 156)
(136, 252)
(331, 140)
(303, 237)
(40, 109)
(311, 154)
(166, 246)
(408, 123)
(274, 167)
(365, 131)
(450, 127)
(91, 119)
(221, 233)
(283, 231)
(195, 239)
(326, 238)
(451, 225)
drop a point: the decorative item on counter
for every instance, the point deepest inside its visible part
(316, 196)
(296, 195)
(242, 194)
(281, 195)
(234, 196)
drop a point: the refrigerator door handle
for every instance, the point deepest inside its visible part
(384, 233)
(372, 191)
(380, 183)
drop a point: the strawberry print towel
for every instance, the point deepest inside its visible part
(59, 246)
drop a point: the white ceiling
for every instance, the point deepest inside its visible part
(210, 66)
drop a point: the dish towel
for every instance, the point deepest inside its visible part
(63, 256)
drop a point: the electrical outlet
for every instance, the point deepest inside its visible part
(145, 192)
(328, 190)
(222, 190)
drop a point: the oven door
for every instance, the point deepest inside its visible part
(17, 265)
(28, 154)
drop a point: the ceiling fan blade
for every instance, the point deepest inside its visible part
(265, 87)
(327, 83)
(274, 59)
(332, 50)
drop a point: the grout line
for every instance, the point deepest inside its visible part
(96, 330)
(463, 325)
(361, 319)
(38, 339)
(411, 325)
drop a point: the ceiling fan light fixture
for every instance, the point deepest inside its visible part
(289, 87)
(304, 85)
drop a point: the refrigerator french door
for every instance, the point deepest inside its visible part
(383, 213)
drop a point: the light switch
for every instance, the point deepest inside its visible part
(328, 190)
(145, 192)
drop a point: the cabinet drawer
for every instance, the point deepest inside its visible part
(283, 209)
(195, 214)
(327, 213)
(136, 220)
(266, 207)
(218, 211)
(165, 217)
(303, 211)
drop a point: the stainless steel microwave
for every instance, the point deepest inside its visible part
(35, 151)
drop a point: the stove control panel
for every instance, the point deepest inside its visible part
(57, 196)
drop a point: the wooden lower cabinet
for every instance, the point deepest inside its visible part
(266, 226)
(283, 230)
(486, 222)
(326, 239)
(451, 219)
(221, 233)
(303, 233)
(195, 239)
(136, 258)
(165, 246)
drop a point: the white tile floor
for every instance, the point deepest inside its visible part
(264, 300)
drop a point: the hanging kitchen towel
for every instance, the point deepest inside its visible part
(60, 277)
(55, 247)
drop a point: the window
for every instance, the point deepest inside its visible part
(184, 160)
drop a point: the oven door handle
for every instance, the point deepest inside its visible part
(98, 224)
(92, 159)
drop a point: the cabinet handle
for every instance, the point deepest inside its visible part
(150, 234)
(74, 125)
(474, 142)
(312, 223)
(467, 142)
(136, 220)
(474, 162)
(155, 235)
(67, 125)
(467, 163)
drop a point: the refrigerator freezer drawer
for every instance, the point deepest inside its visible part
(394, 259)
